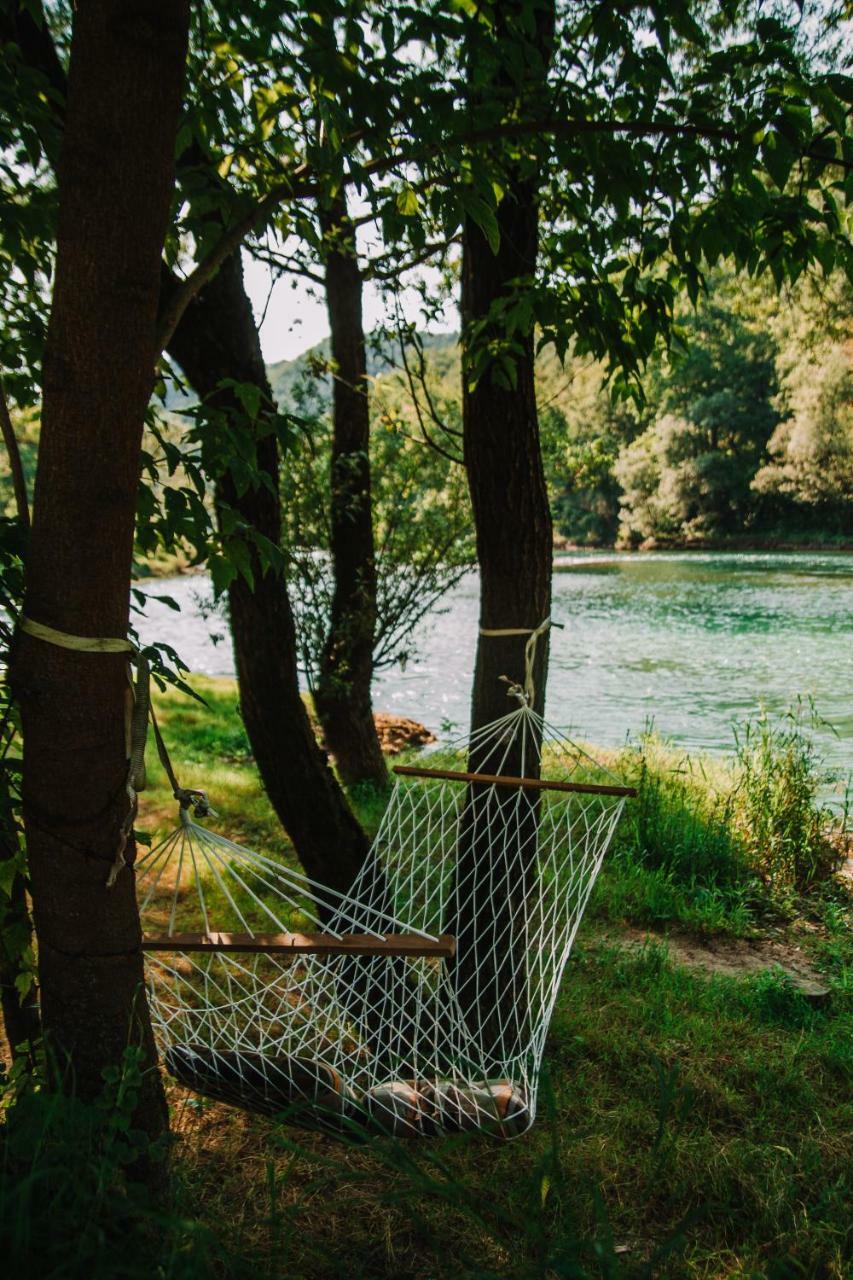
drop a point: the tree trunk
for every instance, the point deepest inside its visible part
(218, 339)
(342, 696)
(115, 188)
(512, 519)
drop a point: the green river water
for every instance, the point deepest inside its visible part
(690, 642)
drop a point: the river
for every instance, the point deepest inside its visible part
(688, 641)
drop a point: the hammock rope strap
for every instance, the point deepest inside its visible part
(525, 692)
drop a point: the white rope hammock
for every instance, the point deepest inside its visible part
(419, 1002)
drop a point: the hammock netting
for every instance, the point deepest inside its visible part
(474, 888)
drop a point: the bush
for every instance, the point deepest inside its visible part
(790, 838)
(710, 845)
(680, 821)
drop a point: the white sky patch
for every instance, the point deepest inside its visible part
(296, 316)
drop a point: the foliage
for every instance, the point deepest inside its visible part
(420, 509)
(689, 474)
(666, 141)
(68, 1208)
(743, 431)
(811, 451)
(790, 838)
(716, 846)
(29, 141)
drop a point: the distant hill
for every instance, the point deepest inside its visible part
(284, 374)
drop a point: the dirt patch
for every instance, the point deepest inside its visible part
(731, 957)
(396, 733)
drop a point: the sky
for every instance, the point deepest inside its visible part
(296, 317)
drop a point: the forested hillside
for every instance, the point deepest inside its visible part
(744, 432)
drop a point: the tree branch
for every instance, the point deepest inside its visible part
(302, 184)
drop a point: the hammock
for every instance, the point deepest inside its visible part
(419, 1002)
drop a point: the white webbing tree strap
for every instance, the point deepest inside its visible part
(137, 712)
(526, 691)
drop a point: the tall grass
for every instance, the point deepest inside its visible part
(788, 836)
(69, 1210)
(719, 846)
(72, 1202)
(710, 845)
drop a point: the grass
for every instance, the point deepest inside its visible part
(704, 847)
(709, 1114)
(701, 1123)
(693, 1127)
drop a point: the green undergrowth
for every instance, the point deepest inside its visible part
(697, 1127)
(715, 847)
(688, 1128)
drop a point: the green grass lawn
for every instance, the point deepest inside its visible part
(702, 1125)
(689, 1126)
(699, 1126)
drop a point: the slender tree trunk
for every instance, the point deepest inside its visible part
(115, 187)
(20, 1009)
(342, 696)
(218, 339)
(514, 537)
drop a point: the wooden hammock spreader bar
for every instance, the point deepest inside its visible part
(531, 784)
(307, 944)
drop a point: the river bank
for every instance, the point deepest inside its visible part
(693, 643)
(734, 544)
(166, 565)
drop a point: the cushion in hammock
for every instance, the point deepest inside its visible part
(491, 1106)
(409, 1108)
(397, 1108)
(259, 1083)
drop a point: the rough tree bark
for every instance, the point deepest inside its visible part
(20, 1009)
(115, 185)
(514, 538)
(343, 697)
(218, 339)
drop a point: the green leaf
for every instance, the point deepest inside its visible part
(222, 574)
(407, 202)
(487, 222)
(778, 158)
(249, 395)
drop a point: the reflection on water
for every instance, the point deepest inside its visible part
(689, 641)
